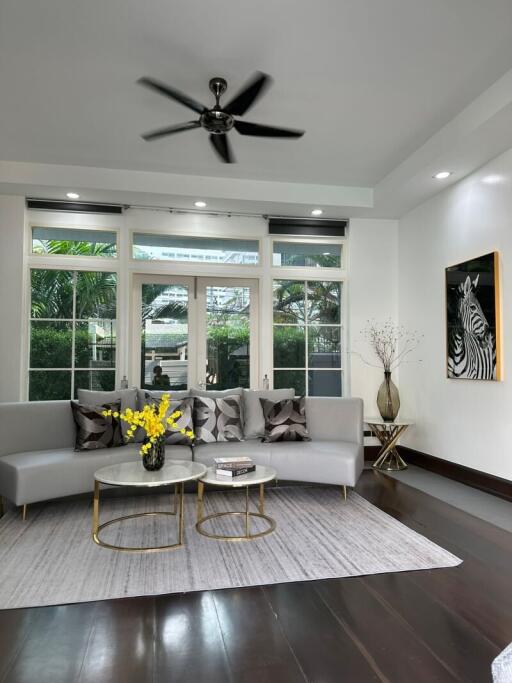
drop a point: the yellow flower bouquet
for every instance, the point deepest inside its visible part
(155, 422)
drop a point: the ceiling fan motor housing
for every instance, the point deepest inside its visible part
(216, 121)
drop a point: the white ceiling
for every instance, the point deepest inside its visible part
(369, 80)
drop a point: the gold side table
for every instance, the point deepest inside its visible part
(174, 473)
(260, 477)
(388, 433)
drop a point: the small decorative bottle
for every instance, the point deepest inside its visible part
(266, 383)
(124, 383)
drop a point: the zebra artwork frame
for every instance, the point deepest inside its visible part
(473, 319)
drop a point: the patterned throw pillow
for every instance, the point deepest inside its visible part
(218, 419)
(94, 430)
(186, 421)
(285, 420)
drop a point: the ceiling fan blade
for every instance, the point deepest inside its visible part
(221, 145)
(162, 132)
(249, 94)
(246, 128)
(172, 93)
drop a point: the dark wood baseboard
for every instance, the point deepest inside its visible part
(370, 452)
(465, 475)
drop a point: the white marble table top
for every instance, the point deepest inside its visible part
(134, 474)
(402, 422)
(261, 475)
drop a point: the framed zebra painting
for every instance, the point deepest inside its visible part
(473, 319)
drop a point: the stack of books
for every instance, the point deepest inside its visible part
(234, 467)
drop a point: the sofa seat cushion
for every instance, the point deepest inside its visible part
(42, 475)
(321, 462)
(259, 452)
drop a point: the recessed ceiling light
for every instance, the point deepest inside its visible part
(200, 205)
(441, 175)
(72, 195)
(492, 179)
(317, 212)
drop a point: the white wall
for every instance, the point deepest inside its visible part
(373, 293)
(12, 219)
(466, 422)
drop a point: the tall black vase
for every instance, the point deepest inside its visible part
(154, 458)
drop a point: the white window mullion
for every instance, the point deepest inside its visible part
(73, 328)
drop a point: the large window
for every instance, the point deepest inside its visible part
(308, 336)
(75, 242)
(195, 249)
(72, 332)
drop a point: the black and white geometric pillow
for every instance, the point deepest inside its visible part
(94, 430)
(186, 421)
(218, 419)
(285, 420)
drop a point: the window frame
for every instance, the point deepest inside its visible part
(29, 320)
(341, 326)
(193, 225)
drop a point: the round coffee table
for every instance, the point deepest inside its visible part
(176, 472)
(260, 476)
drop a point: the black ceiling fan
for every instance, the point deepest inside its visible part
(219, 120)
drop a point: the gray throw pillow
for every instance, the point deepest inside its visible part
(254, 422)
(186, 421)
(128, 398)
(218, 419)
(285, 420)
(94, 430)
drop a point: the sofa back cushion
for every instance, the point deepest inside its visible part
(254, 422)
(36, 426)
(128, 398)
(142, 395)
(216, 394)
(335, 419)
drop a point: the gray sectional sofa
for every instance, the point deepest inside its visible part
(38, 461)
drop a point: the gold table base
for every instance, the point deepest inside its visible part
(388, 458)
(178, 510)
(247, 514)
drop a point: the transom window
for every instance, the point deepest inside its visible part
(72, 332)
(308, 336)
(306, 255)
(74, 241)
(195, 249)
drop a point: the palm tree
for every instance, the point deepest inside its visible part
(52, 290)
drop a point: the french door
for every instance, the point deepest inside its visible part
(195, 331)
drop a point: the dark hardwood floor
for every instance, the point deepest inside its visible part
(424, 626)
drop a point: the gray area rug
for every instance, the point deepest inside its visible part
(51, 559)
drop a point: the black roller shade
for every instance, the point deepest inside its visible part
(75, 207)
(307, 226)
